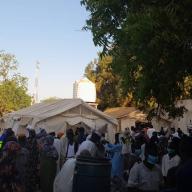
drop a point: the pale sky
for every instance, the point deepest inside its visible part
(47, 31)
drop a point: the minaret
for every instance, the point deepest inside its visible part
(36, 95)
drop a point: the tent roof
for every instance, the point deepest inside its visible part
(129, 112)
(49, 109)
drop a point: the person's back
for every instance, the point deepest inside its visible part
(134, 157)
(64, 180)
(184, 177)
(10, 180)
(48, 167)
(145, 179)
(168, 163)
(87, 145)
(184, 173)
(22, 165)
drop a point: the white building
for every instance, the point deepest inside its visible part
(181, 122)
(126, 116)
(84, 89)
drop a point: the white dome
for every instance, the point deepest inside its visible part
(85, 90)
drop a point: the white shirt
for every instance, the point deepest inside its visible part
(144, 178)
(57, 145)
(150, 132)
(70, 151)
(64, 179)
(87, 145)
(168, 163)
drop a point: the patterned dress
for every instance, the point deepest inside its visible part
(9, 175)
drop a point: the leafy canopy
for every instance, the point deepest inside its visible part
(109, 92)
(151, 45)
(13, 86)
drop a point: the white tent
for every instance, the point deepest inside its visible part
(58, 115)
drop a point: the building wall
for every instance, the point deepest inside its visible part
(157, 124)
(181, 122)
(126, 122)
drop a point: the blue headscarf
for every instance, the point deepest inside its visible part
(48, 149)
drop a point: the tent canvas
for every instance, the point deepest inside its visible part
(55, 115)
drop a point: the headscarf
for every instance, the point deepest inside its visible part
(41, 134)
(11, 148)
(48, 149)
(49, 140)
(32, 133)
(8, 135)
(41, 138)
(10, 180)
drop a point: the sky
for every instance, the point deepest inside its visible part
(48, 31)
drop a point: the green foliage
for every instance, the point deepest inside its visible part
(13, 86)
(8, 65)
(151, 44)
(109, 93)
(50, 99)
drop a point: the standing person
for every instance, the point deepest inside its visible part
(33, 162)
(81, 136)
(134, 157)
(64, 180)
(154, 138)
(9, 177)
(68, 146)
(162, 132)
(180, 132)
(150, 132)
(126, 141)
(48, 166)
(92, 145)
(162, 145)
(117, 157)
(146, 176)
(22, 161)
(40, 136)
(133, 132)
(184, 171)
(3, 138)
(171, 159)
(57, 145)
(8, 135)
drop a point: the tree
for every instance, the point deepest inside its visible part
(50, 99)
(109, 93)
(151, 44)
(13, 86)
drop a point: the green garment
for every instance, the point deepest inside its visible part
(48, 169)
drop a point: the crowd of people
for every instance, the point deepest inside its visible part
(141, 159)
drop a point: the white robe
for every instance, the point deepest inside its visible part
(64, 180)
(87, 145)
(142, 178)
(57, 145)
(168, 163)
